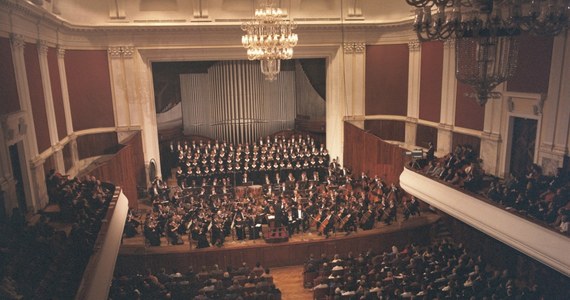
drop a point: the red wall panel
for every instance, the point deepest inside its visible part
(9, 90)
(388, 130)
(56, 92)
(37, 96)
(468, 113)
(533, 70)
(426, 134)
(430, 82)
(387, 79)
(89, 86)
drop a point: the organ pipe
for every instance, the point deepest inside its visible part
(234, 103)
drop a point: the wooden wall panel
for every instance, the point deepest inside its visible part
(430, 81)
(37, 96)
(468, 113)
(124, 168)
(533, 69)
(89, 86)
(271, 255)
(389, 130)
(463, 139)
(67, 157)
(426, 134)
(10, 100)
(56, 92)
(49, 164)
(381, 158)
(97, 144)
(387, 79)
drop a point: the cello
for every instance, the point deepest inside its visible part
(324, 224)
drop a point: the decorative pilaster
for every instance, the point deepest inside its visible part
(200, 11)
(127, 108)
(117, 9)
(354, 10)
(30, 146)
(354, 68)
(64, 90)
(55, 7)
(414, 76)
(39, 185)
(554, 134)
(50, 110)
(18, 45)
(448, 98)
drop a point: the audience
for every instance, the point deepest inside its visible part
(39, 261)
(210, 283)
(440, 271)
(543, 198)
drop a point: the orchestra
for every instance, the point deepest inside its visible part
(210, 209)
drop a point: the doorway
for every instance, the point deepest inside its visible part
(18, 177)
(523, 143)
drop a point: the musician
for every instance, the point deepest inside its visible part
(240, 227)
(391, 212)
(202, 236)
(151, 233)
(367, 220)
(172, 233)
(326, 224)
(218, 236)
(291, 222)
(131, 225)
(411, 208)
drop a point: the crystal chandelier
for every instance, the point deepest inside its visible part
(269, 38)
(485, 32)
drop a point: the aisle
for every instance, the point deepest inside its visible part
(290, 281)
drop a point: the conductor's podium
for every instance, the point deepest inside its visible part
(276, 235)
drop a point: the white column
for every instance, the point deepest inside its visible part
(145, 108)
(131, 87)
(448, 98)
(335, 107)
(553, 144)
(64, 90)
(7, 182)
(491, 141)
(35, 190)
(50, 111)
(414, 77)
(119, 88)
(563, 112)
(354, 60)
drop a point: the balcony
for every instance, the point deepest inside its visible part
(537, 241)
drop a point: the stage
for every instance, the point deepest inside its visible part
(134, 256)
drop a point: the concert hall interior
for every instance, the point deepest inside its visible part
(367, 150)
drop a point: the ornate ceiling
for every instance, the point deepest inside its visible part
(216, 12)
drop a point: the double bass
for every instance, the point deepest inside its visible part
(325, 223)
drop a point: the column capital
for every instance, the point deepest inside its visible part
(128, 51)
(414, 45)
(114, 52)
(449, 43)
(42, 47)
(17, 40)
(354, 47)
(121, 51)
(60, 52)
